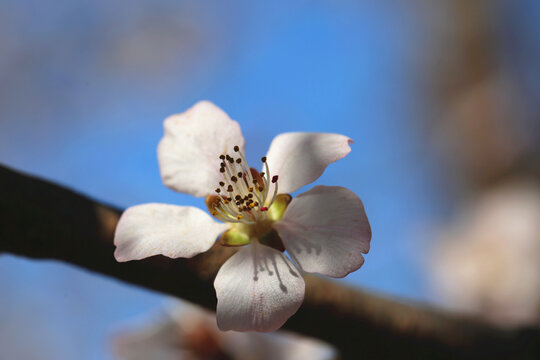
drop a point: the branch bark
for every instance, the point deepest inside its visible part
(42, 220)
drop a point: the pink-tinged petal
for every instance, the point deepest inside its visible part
(326, 230)
(189, 150)
(257, 289)
(160, 229)
(300, 158)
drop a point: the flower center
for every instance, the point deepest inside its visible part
(243, 194)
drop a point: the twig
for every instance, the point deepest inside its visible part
(42, 220)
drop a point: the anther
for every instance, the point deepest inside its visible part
(261, 173)
(221, 183)
(239, 174)
(263, 159)
(236, 148)
(274, 178)
(234, 178)
(264, 208)
(218, 190)
(222, 170)
(222, 157)
(250, 195)
(239, 216)
(261, 188)
(230, 188)
(237, 197)
(238, 161)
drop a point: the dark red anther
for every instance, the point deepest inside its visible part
(274, 178)
(264, 208)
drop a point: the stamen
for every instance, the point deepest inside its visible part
(265, 178)
(275, 189)
(246, 200)
(248, 173)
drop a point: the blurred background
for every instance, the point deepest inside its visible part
(441, 97)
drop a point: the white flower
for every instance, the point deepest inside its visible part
(325, 230)
(185, 331)
(487, 261)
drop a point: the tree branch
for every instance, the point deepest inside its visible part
(45, 221)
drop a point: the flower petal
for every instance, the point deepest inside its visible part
(189, 150)
(300, 158)
(174, 231)
(325, 230)
(258, 289)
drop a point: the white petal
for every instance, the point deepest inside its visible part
(257, 289)
(326, 230)
(300, 158)
(189, 150)
(174, 231)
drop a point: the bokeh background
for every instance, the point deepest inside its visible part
(441, 98)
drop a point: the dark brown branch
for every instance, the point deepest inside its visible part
(46, 221)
